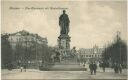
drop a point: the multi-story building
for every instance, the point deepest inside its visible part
(27, 47)
(94, 53)
(24, 36)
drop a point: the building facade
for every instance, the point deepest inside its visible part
(28, 48)
(24, 36)
(91, 54)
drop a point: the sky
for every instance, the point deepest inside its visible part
(91, 22)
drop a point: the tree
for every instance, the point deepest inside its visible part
(6, 53)
(116, 52)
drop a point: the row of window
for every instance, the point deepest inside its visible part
(87, 56)
(23, 39)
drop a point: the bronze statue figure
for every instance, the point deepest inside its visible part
(64, 23)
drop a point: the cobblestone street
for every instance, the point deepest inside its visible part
(36, 74)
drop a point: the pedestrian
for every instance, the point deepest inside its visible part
(91, 67)
(120, 68)
(94, 68)
(86, 66)
(116, 68)
(103, 66)
(21, 68)
(83, 64)
(25, 68)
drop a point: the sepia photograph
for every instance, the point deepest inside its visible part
(64, 40)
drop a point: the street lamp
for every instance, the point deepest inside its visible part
(118, 39)
(36, 49)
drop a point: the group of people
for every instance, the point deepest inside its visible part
(118, 68)
(93, 68)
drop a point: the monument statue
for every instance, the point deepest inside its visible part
(64, 23)
(64, 38)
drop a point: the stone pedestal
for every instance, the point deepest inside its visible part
(64, 45)
(64, 41)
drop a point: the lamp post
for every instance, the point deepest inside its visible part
(36, 51)
(26, 50)
(118, 40)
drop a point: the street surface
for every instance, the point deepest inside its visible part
(36, 74)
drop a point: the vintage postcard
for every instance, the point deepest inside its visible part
(64, 40)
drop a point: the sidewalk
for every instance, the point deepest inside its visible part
(13, 71)
(45, 75)
(111, 70)
(6, 71)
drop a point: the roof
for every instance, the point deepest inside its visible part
(26, 33)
